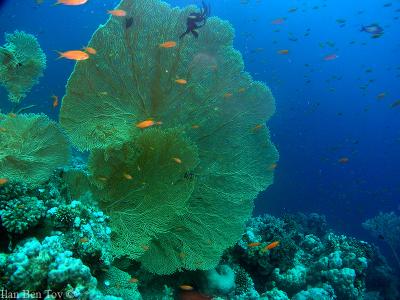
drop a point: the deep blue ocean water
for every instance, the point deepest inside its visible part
(326, 110)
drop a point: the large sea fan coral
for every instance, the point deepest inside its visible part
(31, 147)
(22, 62)
(214, 125)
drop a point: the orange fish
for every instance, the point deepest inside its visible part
(145, 247)
(181, 81)
(102, 178)
(270, 246)
(90, 50)
(147, 123)
(74, 55)
(12, 115)
(255, 244)
(343, 160)
(331, 57)
(228, 95)
(283, 52)
(257, 127)
(127, 176)
(195, 126)
(241, 90)
(84, 240)
(273, 166)
(177, 160)
(117, 12)
(186, 287)
(3, 181)
(2, 129)
(55, 101)
(169, 44)
(71, 2)
(278, 21)
(133, 280)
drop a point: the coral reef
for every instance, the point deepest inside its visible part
(68, 250)
(54, 242)
(309, 263)
(208, 148)
(328, 266)
(31, 147)
(22, 62)
(161, 212)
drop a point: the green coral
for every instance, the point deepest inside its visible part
(20, 214)
(157, 194)
(31, 147)
(386, 226)
(181, 192)
(22, 62)
(118, 283)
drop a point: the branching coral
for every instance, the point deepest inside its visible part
(22, 62)
(31, 148)
(20, 214)
(168, 189)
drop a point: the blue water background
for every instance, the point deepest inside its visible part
(322, 113)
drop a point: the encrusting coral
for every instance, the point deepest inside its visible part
(167, 188)
(31, 147)
(34, 265)
(22, 62)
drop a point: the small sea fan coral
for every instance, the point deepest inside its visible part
(31, 147)
(386, 226)
(179, 193)
(22, 62)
